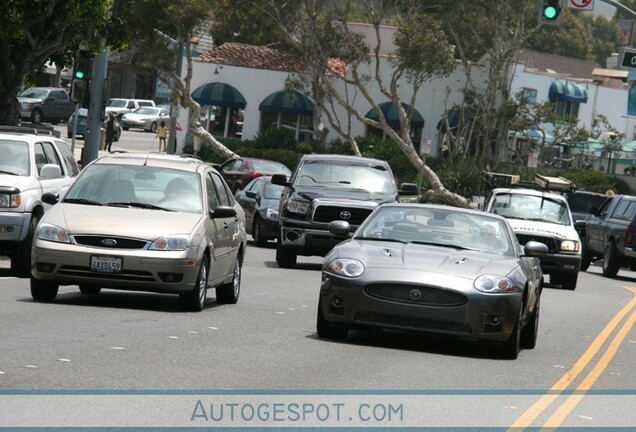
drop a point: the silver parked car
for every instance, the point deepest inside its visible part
(143, 222)
(146, 118)
(433, 269)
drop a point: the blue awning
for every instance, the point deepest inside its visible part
(567, 91)
(219, 94)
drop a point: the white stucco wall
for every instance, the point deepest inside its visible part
(256, 84)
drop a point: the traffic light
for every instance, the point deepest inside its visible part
(550, 11)
(81, 79)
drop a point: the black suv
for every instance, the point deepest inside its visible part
(584, 203)
(324, 188)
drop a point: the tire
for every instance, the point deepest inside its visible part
(257, 233)
(153, 127)
(21, 259)
(36, 116)
(285, 258)
(326, 329)
(89, 289)
(194, 300)
(229, 293)
(586, 257)
(43, 291)
(569, 280)
(510, 349)
(611, 263)
(531, 329)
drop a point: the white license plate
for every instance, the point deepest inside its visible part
(104, 264)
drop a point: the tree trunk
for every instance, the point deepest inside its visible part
(9, 108)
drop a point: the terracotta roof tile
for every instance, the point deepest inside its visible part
(543, 62)
(270, 57)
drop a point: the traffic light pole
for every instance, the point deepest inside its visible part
(95, 108)
(621, 7)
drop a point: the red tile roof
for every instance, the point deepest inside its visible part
(270, 57)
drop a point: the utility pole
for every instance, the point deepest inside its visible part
(95, 108)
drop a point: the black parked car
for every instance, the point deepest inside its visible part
(260, 200)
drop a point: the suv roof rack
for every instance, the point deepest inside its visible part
(33, 129)
(491, 180)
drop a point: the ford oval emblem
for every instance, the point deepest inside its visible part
(345, 215)
(109, 242)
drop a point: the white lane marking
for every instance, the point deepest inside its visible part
(63, 360)
(291, 309)
(1, 373)
(213, 328)
(193, 332)
(173, 337)
(30, 366)
(117, 348)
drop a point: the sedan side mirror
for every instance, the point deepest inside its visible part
(408, 189)
(51, 198)
(339, 228)
(535, 249)
(223, 212)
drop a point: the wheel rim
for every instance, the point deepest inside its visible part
(237, 277)
(606, 258)
(203, 278)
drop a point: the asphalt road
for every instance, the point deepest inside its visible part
(146, 363)
(136, 341)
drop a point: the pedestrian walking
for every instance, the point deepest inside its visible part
(162, 134)
(110, 132)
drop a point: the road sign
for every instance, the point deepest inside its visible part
(586, 5)
(628, 58)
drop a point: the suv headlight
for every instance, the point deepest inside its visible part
(170, 243)
(25, 105)
(297, 206)
(271, 213)
(52, 233)
(570, 246)
(10, 200)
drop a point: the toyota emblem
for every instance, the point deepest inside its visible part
(109, 242)
(415, 294)
(345, 215)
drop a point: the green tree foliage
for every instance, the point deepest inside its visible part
(32, 32)
(241, 21)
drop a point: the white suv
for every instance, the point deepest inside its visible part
(120, 106)
(33, 162)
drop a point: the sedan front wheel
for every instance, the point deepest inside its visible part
(195, 300)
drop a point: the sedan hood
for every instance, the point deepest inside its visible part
(120, 221)
(462, 263)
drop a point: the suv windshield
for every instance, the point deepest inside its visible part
(15, 157)
(346, 176)
(117, 103)
(530, 207)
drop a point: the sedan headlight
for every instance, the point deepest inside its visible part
(10, 200)
(170, 243)
(570, 245)
(52, 233)
(345, 267)
(490, 284)
(271, 213)
(297, 206)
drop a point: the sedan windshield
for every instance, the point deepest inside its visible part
(148, 111)
(440, 227)
(150, 188)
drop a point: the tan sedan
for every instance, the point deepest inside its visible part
(142, 222)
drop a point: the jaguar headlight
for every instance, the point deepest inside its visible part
(52, 233)
(570, 246)
(345, 267)
(297, 206)
(170, 243)
(490, 284)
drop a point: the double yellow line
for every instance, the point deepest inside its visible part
(556, 419)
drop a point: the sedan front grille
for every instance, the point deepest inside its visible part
(126, 275)
(353, 215)
(552, 243)
(415, 294)
(413, 322)
(110, 242)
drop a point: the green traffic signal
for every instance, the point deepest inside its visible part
(79, 74)
(550, 12)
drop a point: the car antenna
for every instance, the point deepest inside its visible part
(146, 161)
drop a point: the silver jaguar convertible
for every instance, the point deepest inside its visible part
(433, 269)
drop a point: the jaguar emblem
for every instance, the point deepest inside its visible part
(415, 294)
